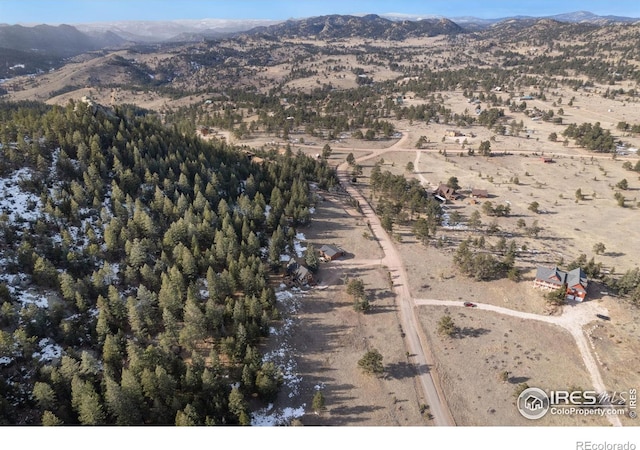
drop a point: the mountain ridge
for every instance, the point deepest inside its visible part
(169, 30)
(370, 26)
(25, 50)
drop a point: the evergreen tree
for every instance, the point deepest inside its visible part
(238, 407)
(195, 328)
(311, 258)
(371, 362)
(318, 402)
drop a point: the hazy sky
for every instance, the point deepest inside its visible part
(82, 11)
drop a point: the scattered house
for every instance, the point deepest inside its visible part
(549, 278)
(331, 252)
(575, 282)
(479, 193)
(252, 157)
(297, 273)
(303, 275)
(445, 192)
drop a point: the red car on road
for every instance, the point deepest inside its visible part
(470, 305)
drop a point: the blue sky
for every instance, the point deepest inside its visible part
(82, 11)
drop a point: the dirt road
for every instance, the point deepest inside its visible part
(415, 341)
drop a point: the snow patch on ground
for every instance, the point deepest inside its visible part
(269, 418)
(285, 258)
(5, 360)
(15, 202)
(49, 350)
(39, 300)
(16, 284)
(446, 223)
(204, 291)
(300, 237)
(282, 357)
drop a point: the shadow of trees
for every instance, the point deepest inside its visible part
(471, 332)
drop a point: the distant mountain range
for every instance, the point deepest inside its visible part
(175, 30)
(370, 26)
(61, 40)
(185, 30)
(25, 50)
(28, 49)
(476, 24)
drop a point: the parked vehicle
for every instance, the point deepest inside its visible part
(603, 317)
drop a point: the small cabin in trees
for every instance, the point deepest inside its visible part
(297, 273)
(303, 275)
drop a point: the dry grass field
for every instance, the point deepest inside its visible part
(490, 343)
(329, 336)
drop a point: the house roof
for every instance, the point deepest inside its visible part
(479, 192)
(551, 275)
(302, 272)
(330, 250)
(577, 277)
(446, 191)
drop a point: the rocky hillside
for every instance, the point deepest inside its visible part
(367, 27)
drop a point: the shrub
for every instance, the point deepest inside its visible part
(371, 362)
(446, 327)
